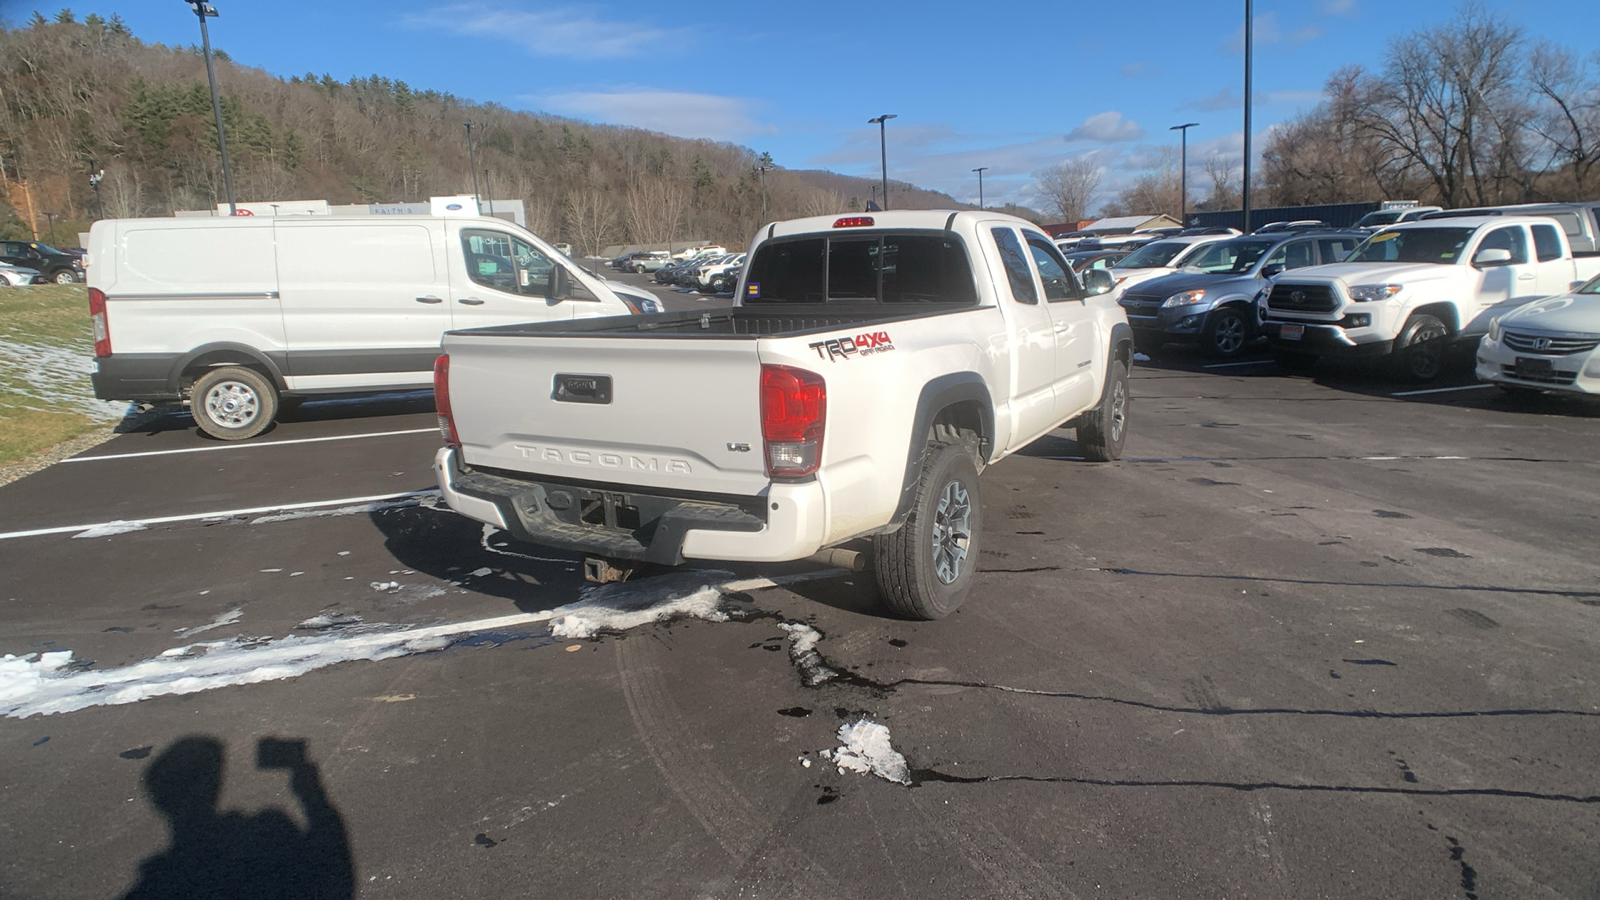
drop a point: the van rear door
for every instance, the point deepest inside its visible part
(363, 304)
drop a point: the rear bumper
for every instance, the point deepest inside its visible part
(136, 376)
(621, 522)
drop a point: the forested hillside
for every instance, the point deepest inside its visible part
(72, 92)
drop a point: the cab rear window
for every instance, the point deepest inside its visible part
(862, 267)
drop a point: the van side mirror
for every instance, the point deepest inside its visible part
(564, 287)
(1097, 282)
(1492, 256)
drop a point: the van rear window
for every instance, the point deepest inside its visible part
(856, 267)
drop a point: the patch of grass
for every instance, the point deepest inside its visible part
(56, 315)
(45, 345)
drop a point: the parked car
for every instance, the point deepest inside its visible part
(1410, 290)
(1380, 218)
(231, 315)
(653, 261)
(1295, 225)
(1081, 261)
(57, 266)
(1211, 301)
(1547, 345)
(870, 369)
(1580, 221)
(1162, 257)
(704, 274)
(17, 276)
(725, 281)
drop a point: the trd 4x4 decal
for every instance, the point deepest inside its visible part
(864, 344)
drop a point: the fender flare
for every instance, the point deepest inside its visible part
(937, 395)
(262, 360)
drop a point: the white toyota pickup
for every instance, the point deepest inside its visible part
(871, 367)
(1411, 289)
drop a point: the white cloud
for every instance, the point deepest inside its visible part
(1138, 70)
(706, 116)
(1106, 126)
(568, 32)
(1229, 99)
(1336, 7)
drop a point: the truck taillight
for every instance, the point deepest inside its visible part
(794, 405)
(441, 400)
(102, 328)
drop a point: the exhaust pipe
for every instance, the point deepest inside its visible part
(849, 560)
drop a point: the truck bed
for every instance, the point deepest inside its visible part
(739, 321)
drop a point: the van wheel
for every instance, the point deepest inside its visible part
(926, 567)
(233, 403)
(1419, 350)
(1103, 431)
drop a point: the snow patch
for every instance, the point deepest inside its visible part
(865, 749)
(618, 607)
(355, 510)
(107, 529)
(227, 618)
(386, 587)
(803, 652)
(1140, 357)
(55, 378)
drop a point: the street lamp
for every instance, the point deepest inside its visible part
(1249, 41)
(1183, 169)
(763, 169)
(472, 162)
(883, 150)
(979, 170)
(203, 9)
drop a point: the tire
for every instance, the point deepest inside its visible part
(1419, 351)
(233, 403)
(1297, 362)
(64, 276)
(925, 568)
(1227, 333)
(1103, 431)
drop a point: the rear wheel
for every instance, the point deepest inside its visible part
(925, 569)
(1227, 333)
(233, 403)
(1419, 351)
(1103, 431)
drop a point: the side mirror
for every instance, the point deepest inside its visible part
(1272, 271)
(1493, 256)
(1097, 282)
(564, 287)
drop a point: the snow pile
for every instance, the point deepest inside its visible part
(618, 607)
(227, 618)
(107, 529)
(803, 651)
(55, 378)
(866, 750)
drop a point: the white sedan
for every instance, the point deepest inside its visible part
(17, 276)
(1547, 345)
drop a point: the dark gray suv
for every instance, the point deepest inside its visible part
(1211, 300)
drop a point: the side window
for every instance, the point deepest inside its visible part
(1335, 249)
(1545, 243)
(1279, 257)
(506, 263)
(1016, 264)
(1509, 238)
(1299, 254)
(1058, 281)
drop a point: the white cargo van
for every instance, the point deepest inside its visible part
(231, 314)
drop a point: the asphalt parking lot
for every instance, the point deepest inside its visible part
(1315, 637)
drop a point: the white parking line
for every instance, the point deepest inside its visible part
(224, 514)
(1253, 362)
(249, 445)
(1465, 387)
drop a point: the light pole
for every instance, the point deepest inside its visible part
(97, 175)
(1183, 170)
(763, 168)
(883, 150)
(472, 162)
(1249, 41)
(489, 191)
(979, 170)
(203, 9)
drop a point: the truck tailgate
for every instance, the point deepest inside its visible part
(669, 413)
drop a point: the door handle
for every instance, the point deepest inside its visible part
(430, 299)
(1525, 277)
(470, 301)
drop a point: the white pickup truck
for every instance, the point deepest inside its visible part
(871, 367)
(1411, 289)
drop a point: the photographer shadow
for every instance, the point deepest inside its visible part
(233, 854)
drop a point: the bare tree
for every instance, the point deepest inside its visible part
(654, 209)
(1157, 191)
(1069, 185)
(1566, 117)
(1224, 177)
(590, 220)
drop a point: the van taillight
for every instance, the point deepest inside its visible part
(441, 400)
(97, 316)
(794, 404)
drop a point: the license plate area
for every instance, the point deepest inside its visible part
(1291, 332)
(1530, 365)
(581, 389)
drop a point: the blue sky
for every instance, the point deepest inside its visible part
(1014, 86)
